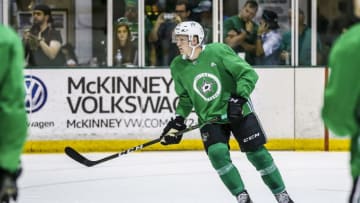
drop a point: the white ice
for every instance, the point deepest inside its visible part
(178, 177)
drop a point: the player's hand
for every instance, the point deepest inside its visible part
(235, 107)
(169, 133)
(8, 186)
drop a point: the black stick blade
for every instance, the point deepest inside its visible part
(72, 153)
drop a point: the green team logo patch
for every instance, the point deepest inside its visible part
(207, 86)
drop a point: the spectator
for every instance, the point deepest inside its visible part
(131, 14)
(325, 38)
(304, 44)
(124, 44)
(42, 41)
(162, 32)
(240, 31)
(204, 10)
(268, 40)
(131, 18)
(340, 22)
(68, 51)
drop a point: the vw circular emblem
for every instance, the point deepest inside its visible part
(36, 94)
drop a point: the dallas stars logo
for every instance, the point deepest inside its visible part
(207, 86)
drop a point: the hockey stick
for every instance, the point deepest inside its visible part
(75, 155)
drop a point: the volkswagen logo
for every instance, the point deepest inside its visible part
(36, 94)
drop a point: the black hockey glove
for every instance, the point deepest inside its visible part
(8, 186)
(235, 107)
(169, 133)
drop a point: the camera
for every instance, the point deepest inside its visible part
(168, 16)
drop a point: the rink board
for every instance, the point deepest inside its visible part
(123, 107)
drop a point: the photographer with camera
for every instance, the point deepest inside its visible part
(42, 42)
(161, 34)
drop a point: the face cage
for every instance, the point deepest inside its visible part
(190, 38)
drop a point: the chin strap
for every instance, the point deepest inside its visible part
(184, 56)
(193, 50)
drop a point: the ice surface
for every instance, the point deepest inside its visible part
(178, 177)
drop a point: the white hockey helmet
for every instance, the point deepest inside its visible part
(191, 29)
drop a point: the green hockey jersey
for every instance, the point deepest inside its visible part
(12, 99)
(342, 94)
(206, 83)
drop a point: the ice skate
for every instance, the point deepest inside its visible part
(283, 197)
(243, 197)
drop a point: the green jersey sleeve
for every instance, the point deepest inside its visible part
(184, 106)
(243, 74)
(342, 94)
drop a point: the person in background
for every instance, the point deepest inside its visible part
(68, 51)
(131, 18)
(341, 107)
(240, 31)
(124, 46)
(204, 10)
(13, 121)
(131, 15)
(304, 43)
(42, 41)
(161, 34)
(212, 80)
(268, 40)
(340, 22)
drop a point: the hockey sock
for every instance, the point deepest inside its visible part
(264, 163)
(220, 159)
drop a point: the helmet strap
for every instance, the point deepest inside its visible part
(184, 56)
(192, 48)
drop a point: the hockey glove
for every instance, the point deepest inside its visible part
(235, 107)
(8, 186)
(169, 133)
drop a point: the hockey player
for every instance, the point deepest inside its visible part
(12, 111)
(214, 81)
(341, 110)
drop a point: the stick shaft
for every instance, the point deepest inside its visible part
(75, 155)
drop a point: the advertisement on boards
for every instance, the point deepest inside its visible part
(85, 104)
